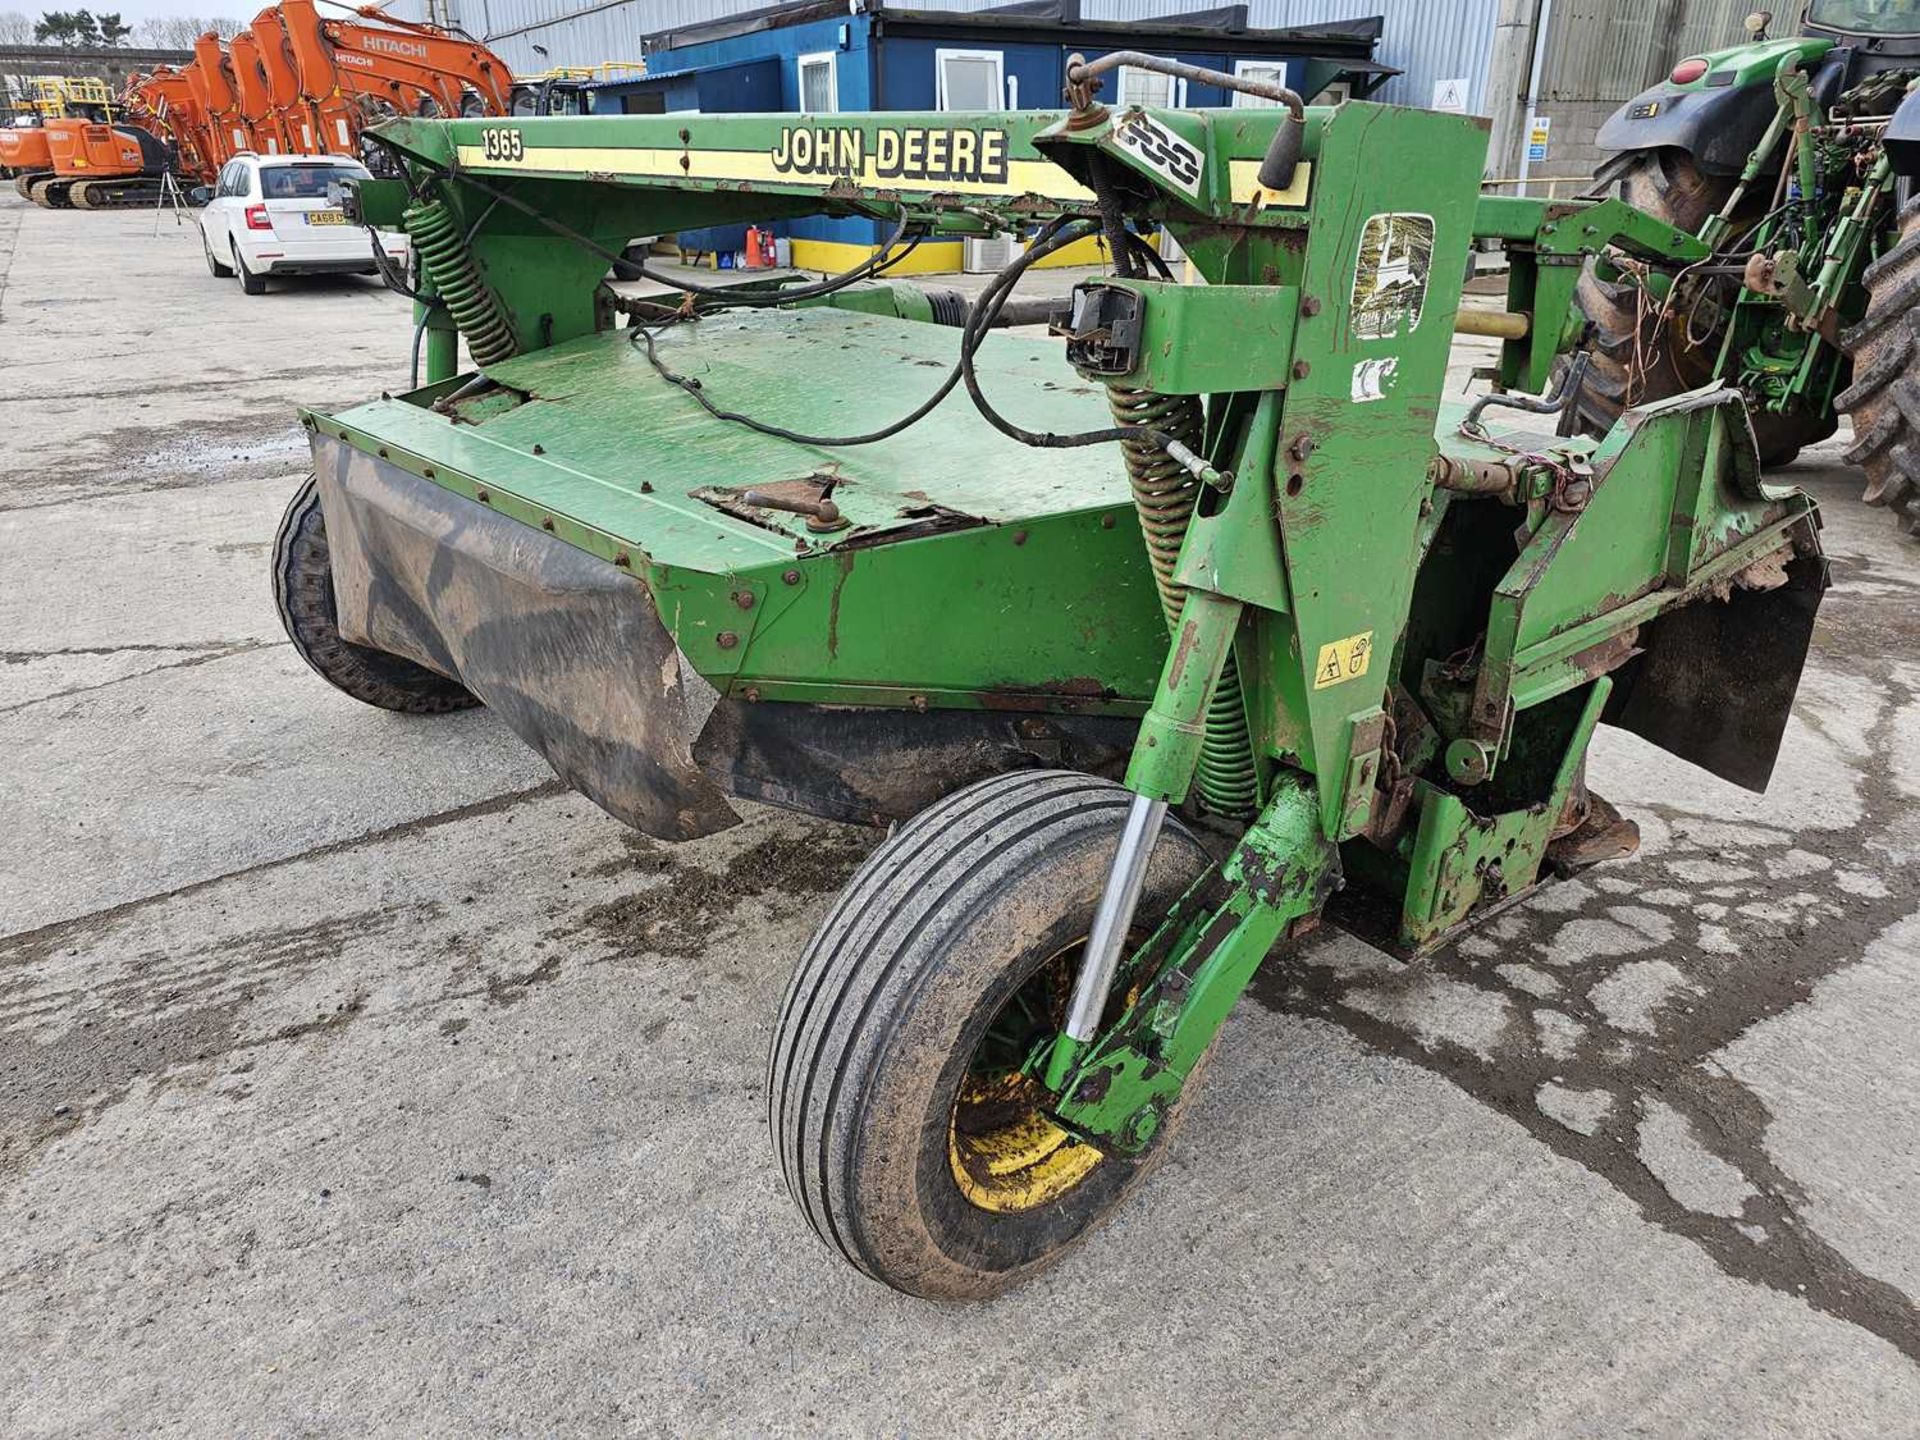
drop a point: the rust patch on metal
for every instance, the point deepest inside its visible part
(845, 562)
(1609, 655)
(1182, 652)
(1068, 694)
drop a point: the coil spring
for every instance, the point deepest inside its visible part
(450, 265)
(1164, 495)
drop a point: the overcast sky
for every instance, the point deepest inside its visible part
(132, 12)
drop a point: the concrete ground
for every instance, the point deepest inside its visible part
(354, 1078)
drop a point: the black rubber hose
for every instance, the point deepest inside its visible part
(873, 264)
(1049, 239)
(1277, 166)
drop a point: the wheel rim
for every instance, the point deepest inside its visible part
(1006, 1153)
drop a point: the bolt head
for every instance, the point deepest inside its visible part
(726, 639)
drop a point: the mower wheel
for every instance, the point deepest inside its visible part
(1884, 399)
(220, 271)
(250, 283)
(303, 592)
(903, 1118)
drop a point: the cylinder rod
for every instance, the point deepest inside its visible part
(1112, 919)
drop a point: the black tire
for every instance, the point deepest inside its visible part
(250, 283)
(1884, 399)
(1666, 183)
(979, 899)
(303, 593)
(220, 271)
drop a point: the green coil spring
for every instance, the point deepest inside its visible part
(1164, 495)
(444, 256)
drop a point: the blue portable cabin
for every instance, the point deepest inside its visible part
(825, 56)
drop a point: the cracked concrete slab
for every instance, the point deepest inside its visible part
(1631, 997)
(1692, 1174)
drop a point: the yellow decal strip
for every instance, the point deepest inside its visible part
(1244, 179)
(1343, 660)
(1024, 177)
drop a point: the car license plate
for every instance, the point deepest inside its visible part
(326, 217)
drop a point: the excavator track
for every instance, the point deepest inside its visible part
(23, 182)
(50, 192)
(123, 194)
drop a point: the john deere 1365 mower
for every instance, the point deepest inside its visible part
(1156, 641)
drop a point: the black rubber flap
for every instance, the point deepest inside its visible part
(563, 647)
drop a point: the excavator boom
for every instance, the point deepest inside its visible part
(295, 82)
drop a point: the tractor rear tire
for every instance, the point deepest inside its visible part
(902, 1119)
(1884, 399)
(303, 593)
(1665, 183)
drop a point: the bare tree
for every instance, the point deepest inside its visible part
(15, 28)
(178, 32)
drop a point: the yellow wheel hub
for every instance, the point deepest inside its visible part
(1023, 1163)
(1006, 1153)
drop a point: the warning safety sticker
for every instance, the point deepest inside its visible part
(1390, 275)
(1343, 660)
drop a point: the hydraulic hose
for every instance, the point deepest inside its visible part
(1283, 155)
(456, 278)
(1164, 494)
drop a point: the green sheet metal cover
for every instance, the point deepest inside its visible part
(602, 439)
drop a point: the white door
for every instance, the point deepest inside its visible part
(819, 83)
(975, 80)
(1143, 87)
(969, 80)
(217, 218)
(1269, 70)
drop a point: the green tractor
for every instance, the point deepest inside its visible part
(1793, 159)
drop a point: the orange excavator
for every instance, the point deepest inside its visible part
(395, 66)
(167, 102)
(93, 157)
(298, 82)
(24, 153)
(23, 145)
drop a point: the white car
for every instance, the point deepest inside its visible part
(280, 215)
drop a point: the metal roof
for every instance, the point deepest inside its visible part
(1038, 18)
